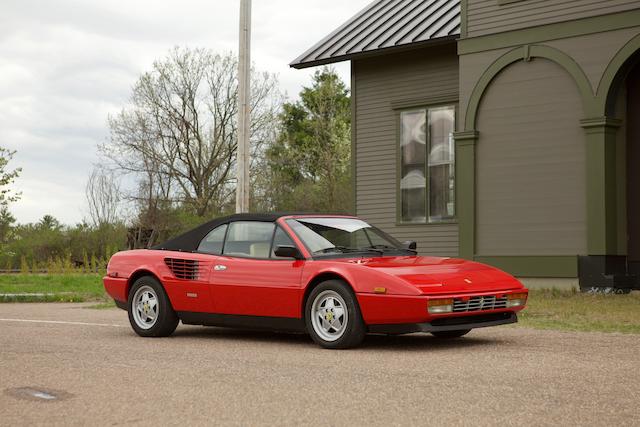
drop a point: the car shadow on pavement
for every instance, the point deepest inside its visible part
(372, 341)
(424, 342)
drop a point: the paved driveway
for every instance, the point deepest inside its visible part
(101, 373)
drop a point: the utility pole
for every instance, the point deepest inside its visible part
(244, 92)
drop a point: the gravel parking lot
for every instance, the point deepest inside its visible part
(95, 370)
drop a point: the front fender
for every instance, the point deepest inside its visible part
(361, 278)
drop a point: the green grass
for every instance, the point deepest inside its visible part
(574, 311)
(73, 287)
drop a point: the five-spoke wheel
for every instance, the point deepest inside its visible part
(150, 312)
(329, 315)
(145, 302)
(333, 316)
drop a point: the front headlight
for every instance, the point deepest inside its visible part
(516, 300)
(440, 306)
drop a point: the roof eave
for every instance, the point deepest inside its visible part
(297, 64)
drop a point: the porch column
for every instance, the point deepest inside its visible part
(601, 185)
(466, 191)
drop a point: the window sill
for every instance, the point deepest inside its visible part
(427, 224)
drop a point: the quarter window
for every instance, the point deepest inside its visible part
(212, 242)
(427, 165)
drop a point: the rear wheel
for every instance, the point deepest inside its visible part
(332, 316)
(450, 334)
(150, 312)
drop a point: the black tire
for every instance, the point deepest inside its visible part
(166, 320)
(450, 334)
(354, 328)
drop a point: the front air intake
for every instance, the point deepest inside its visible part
(188, 269)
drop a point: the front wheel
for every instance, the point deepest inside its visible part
(149, 308)
(451, 334)
(332, 316)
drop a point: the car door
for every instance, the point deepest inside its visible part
(248, 279)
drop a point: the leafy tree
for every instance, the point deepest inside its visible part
(49, 222)
(7, 177)
(6, 225)
(308, 166)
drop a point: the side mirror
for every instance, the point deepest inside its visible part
(288, 252)
(410, 244)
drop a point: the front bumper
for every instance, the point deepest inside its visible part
(447, 324)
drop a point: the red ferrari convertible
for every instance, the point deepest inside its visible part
(336, 277)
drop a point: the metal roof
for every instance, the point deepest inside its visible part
(386, 24)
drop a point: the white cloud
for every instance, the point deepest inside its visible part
(66, 65)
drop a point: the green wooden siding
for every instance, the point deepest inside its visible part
(530, 164)
(382, 85)
(491, 16)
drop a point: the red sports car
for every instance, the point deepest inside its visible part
(336, 277)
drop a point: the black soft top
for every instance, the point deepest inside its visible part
(189, 241)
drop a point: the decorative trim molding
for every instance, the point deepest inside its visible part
(612, 72)
(447, 98)
(600, 122)
(468, 135)
(464, 7)
(518, 54)
(354, 130)
(544, 33)
(466, 138)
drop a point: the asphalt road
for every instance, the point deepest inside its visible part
(101, 373)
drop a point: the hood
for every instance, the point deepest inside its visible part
(435, 275)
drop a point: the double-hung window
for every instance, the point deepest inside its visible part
(427, 165)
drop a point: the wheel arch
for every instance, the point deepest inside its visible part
(319, 278)
(138, 274)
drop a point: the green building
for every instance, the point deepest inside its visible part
(505, 131)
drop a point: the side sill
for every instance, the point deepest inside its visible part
(447, 324)
(288, 324)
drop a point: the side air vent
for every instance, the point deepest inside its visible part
(188, 269)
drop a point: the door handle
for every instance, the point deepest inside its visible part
(219, 267)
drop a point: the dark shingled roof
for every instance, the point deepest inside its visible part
(386, 24)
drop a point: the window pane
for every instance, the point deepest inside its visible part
(281, 238)
(212, 242)
(412, 169)
(249, 238)
(441, 163)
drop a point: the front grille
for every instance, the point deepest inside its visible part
(479, 303)
(184, 268)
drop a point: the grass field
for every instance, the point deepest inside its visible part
(73, 287)
(574, 311)
(546, 309)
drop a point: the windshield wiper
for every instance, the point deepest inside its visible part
(333, 248)
(393, 248)
(344, 249)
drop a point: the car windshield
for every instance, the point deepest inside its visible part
(331, 236)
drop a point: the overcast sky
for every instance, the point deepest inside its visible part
(66, 65)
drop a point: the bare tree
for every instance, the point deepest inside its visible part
(179, 136)
(103, 196)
